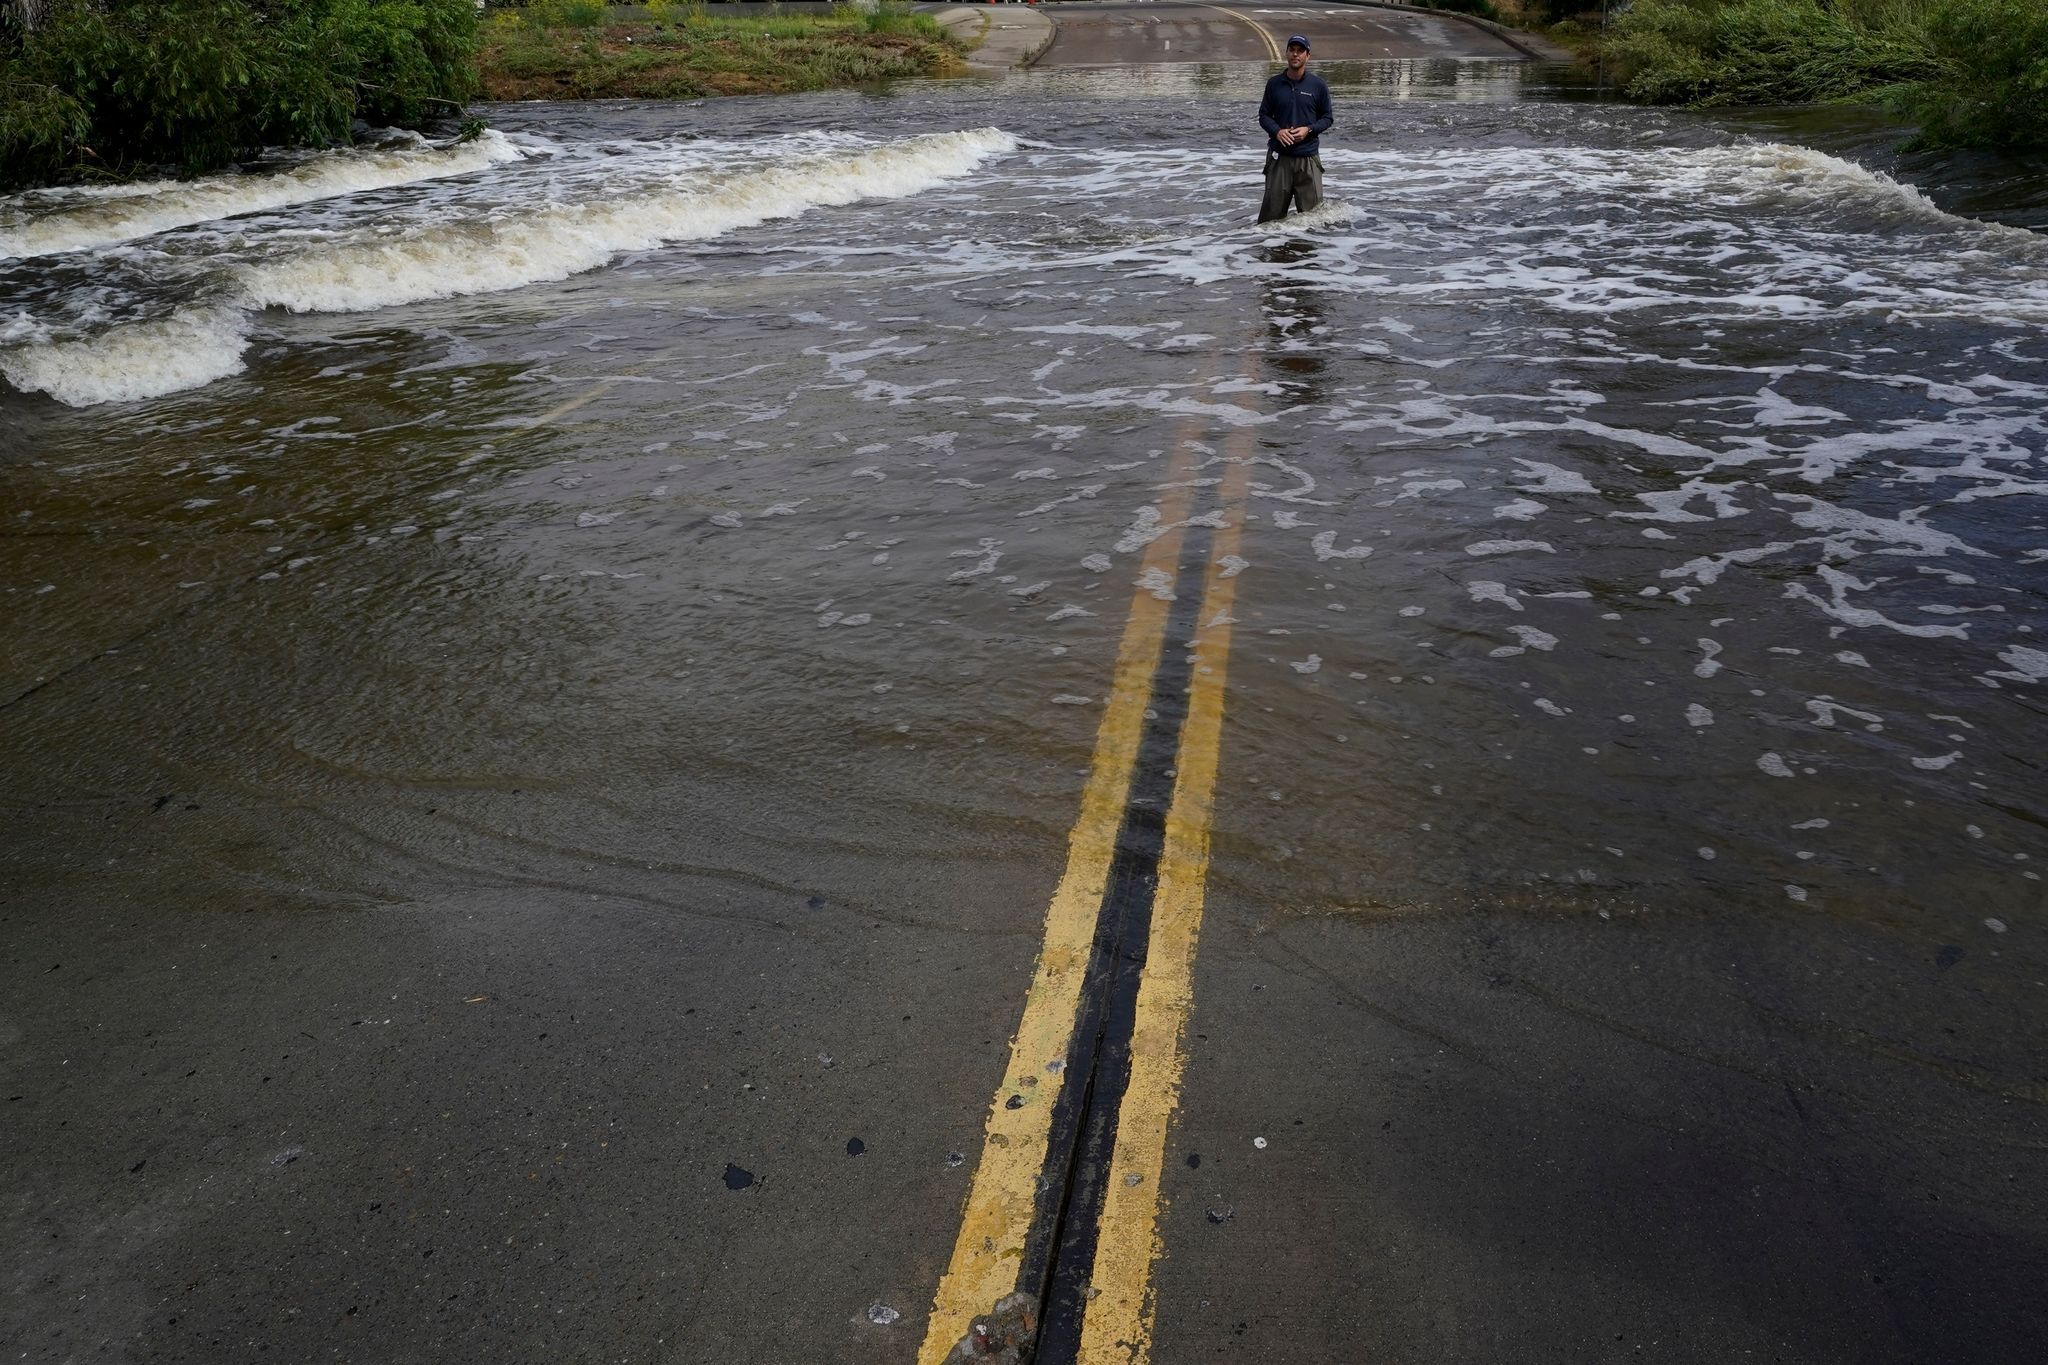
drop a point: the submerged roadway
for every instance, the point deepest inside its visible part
(644, 1054)
(1125, 32)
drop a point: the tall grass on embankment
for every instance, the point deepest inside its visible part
(1971, 73)
(682, 49)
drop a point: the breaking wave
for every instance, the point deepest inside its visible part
(475, 249)
(1801, 177)
(84, 220)
(560, 240)
(191, 347)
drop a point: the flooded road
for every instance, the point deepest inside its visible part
(548, 671)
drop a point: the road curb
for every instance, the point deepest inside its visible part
(1000, 47)
(1052, 31)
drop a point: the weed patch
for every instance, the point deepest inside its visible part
(670, 49)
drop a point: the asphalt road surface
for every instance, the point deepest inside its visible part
(612, 759)
(1144, 31)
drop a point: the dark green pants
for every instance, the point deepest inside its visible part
(1296, 178)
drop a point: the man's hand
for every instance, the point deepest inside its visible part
(1287, 137)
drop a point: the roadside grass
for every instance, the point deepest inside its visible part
(676, 49)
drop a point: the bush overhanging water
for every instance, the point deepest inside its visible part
(114, 84)
(1969, 72)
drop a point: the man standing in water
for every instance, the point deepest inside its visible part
(1295, 114)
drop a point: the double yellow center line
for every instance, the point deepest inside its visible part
(1118, 1325)
(1009, 1227)
(1272, 48)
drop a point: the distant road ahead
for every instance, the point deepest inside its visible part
(1134, 31)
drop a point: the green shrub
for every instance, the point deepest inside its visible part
(1972, 72)
(1993, 85)
(1757, 52)
(41, 130)
(183, 81)
(115, 84)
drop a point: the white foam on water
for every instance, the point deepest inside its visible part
(1324, 543)
(191, 347)
(1158, 582)
(1826, 710)
(1329, 213)
(1802, 235)
(1485, 590)
(1550, 478)
(465, 249)
(1805, 178)
(555, 241)
(141, 210)
(19, 329)
(1837, 605)
(1907, 533)
(2024, 664)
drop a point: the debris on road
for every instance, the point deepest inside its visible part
(1005, 1337)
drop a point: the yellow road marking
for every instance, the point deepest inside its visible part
(1118, 1324)
(605, 386)
(988, 1253)
(1272, 48)
(564, 409)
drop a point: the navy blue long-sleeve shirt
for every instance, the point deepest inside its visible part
(1296, 104)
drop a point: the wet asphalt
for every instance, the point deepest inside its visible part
(1139, 31)
(690, 1064)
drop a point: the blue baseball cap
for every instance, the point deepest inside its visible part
(1296, 40)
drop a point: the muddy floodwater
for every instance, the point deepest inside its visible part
(1645, 512)
(1649, 523)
